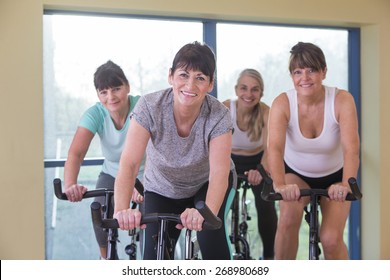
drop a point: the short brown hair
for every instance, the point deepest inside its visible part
(307, 55)
(195, 56)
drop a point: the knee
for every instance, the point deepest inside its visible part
(330, 240)
(289, 222)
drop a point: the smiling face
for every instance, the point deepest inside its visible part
(190, 86)
(192, 74)
(249, 88)
(307, 67)
(114, 99)
(112, 87)
(308, 80)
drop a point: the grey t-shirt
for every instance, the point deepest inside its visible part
(176, 166)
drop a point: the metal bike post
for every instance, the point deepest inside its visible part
(161, 240)
(243, 226)
(314, 234)
(189, 246)
(235, 221)
(111, 246)
(112, 233)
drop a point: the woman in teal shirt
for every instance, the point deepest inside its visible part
(109, 118)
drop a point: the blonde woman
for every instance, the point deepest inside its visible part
(249, 148)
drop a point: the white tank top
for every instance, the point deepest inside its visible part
(316, 157)
(240, 138)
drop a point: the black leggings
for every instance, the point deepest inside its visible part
(267, 218)
(214, 244)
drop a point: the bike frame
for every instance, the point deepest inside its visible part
(314, 225)
(112, 238)
(239, 230)
(164, 245)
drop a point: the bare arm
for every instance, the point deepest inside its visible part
(264, 159)
(346, 115)
(76, 154)
(220, 148)
(277, 128)
(136, 140)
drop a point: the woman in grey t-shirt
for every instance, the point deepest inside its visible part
(187, 136)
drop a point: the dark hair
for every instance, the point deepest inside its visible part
(307, 55)
(109, 75)
(195, 56)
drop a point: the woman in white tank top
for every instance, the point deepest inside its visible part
(313, 143)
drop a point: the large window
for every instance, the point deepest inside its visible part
(75, 45)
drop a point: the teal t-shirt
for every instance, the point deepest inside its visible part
(97, 120)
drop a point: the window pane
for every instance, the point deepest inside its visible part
(74, 46)
(267, 49)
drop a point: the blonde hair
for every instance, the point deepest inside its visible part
(254, 120)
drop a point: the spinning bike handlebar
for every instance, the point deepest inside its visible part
(269, 194)
(92, 193)
(211, 222)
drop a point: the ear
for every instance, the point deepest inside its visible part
(211, 86)
(170, 76)
(324, 73)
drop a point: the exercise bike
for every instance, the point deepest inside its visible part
(112, 238)
(164, 247)
(311, 216)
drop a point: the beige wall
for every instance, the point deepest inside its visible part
(21, 111)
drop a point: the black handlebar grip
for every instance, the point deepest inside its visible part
(268, 193)
(211, 222)
(96, 214)
(267, 179)
(356, 194)
(97, 217)
(139, 186)
(93, 193)
(58, 189)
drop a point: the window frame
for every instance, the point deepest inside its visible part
(210, 38)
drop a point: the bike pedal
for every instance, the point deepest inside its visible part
(131, 249)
